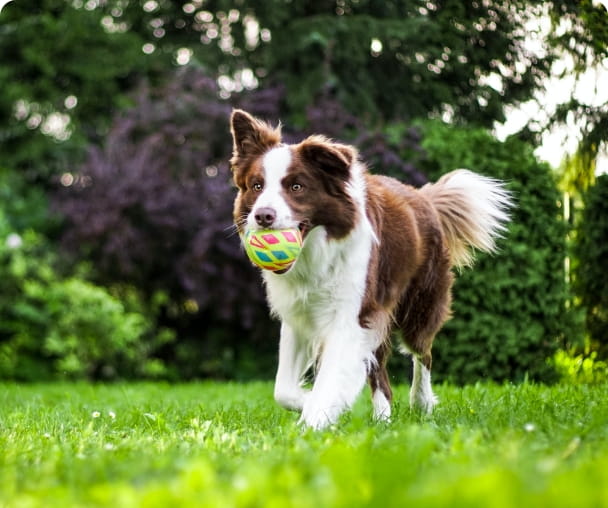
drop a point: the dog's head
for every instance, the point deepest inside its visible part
(287, 186)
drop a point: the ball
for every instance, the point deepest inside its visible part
(274, 250)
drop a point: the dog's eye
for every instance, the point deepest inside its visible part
(296, 187)
(257, 187)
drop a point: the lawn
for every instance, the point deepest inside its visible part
(224, 444)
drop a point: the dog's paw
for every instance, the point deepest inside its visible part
(382, 407)
(293, 399)
(424, 402)
(317, 416)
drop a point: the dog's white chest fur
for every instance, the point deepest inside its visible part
(318, 302)
(326, 283)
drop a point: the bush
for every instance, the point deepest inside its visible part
(589, 273)
(510, 312)
(53, 326)
(41, 131)
(152, 208)
(575, 367)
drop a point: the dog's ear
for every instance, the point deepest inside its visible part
(333, 158)
(251, 136)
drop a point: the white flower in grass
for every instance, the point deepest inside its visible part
(529, 427)
(95, 414)
(112, 415)
(108, 446)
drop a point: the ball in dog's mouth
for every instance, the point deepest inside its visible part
(273, 249)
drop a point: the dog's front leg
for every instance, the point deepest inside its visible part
(294, 361)
(340, 378)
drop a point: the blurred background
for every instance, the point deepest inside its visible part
(117, 255)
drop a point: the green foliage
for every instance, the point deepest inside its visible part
(510, 313)
(56, 326)
(575, 367)
(74, 63)
(580, 31)
(428, 57)
(577, 174)
(62, 72)
(229, 445)
(589, 271)
(24, 206)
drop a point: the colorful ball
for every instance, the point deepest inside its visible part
(274, 250)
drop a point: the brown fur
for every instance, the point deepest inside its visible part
(409, 275)
(322, 168)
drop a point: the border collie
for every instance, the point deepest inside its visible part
(377, 254)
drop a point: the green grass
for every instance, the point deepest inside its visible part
(211, 444)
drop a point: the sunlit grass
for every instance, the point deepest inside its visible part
(214, 444)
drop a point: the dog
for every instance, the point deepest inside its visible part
(377, 254)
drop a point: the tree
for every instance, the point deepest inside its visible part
(589, 271)
(386, 60)
(63, 70)
(383, 60)
(580, 33)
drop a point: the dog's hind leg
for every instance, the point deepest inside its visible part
(421, 392)
(379, 383)
(424, 309)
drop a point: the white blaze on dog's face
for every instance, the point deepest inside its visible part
(271, 210)
(252, 139)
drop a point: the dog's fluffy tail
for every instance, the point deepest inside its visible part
(473, 210)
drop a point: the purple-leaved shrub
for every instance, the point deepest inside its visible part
(152, 208)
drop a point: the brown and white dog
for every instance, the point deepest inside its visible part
(376, 254)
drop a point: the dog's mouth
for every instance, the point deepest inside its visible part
(304, 228)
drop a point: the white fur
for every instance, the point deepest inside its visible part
(321, 297)
(421, 392)
(357, 189)
(382, 407)
(478, 207)
(489, 201)
(275, 163)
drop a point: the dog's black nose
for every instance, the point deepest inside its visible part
(265, 216)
